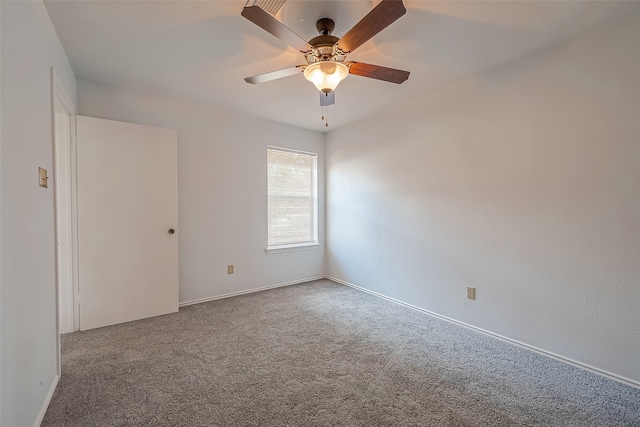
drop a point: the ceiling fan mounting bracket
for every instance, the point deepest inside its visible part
(325, 26)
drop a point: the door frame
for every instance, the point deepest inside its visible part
(68, 215)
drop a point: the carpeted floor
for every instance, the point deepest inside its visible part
(319, 354)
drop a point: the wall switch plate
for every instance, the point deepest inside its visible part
(230, 269)
(42, 173)
(471, 292)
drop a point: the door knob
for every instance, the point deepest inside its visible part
(171, 231)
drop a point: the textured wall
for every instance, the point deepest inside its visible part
(523, 182)
(29, 48)
(222, 181)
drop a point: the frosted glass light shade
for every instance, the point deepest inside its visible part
(326, 75)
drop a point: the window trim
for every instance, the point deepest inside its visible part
(314, 244)
(292, 248)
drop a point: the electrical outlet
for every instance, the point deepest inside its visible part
(471, 292)
(230, 269)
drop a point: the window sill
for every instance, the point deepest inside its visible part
(292, 248)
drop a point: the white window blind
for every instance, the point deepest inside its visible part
(292, 198)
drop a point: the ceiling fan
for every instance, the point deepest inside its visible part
(326, 54)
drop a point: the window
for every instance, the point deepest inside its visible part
(292, 199)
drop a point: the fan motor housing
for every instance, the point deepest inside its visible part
(323, 40)
(323, 45)
(325, 27)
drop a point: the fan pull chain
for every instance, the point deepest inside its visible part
(326, 116)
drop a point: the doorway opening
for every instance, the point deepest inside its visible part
(63, 113)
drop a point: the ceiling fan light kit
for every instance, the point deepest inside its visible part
(325, 54)
(326, 75)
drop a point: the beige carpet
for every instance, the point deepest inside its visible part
(319, 354)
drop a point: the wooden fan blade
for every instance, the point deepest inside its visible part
(380, 17)
(271, 25)
(274, 75)
(327, 99)
(272, 7)
(377, 72)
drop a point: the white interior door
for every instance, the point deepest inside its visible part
(127, 203)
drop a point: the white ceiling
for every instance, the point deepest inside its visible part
(200, 51)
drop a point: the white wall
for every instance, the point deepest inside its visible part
(0, 218)
(222, 184)
(522, 182)
(29, 48)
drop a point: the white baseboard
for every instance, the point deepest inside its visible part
(563, 359)
(47, 400)
(249, 291)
